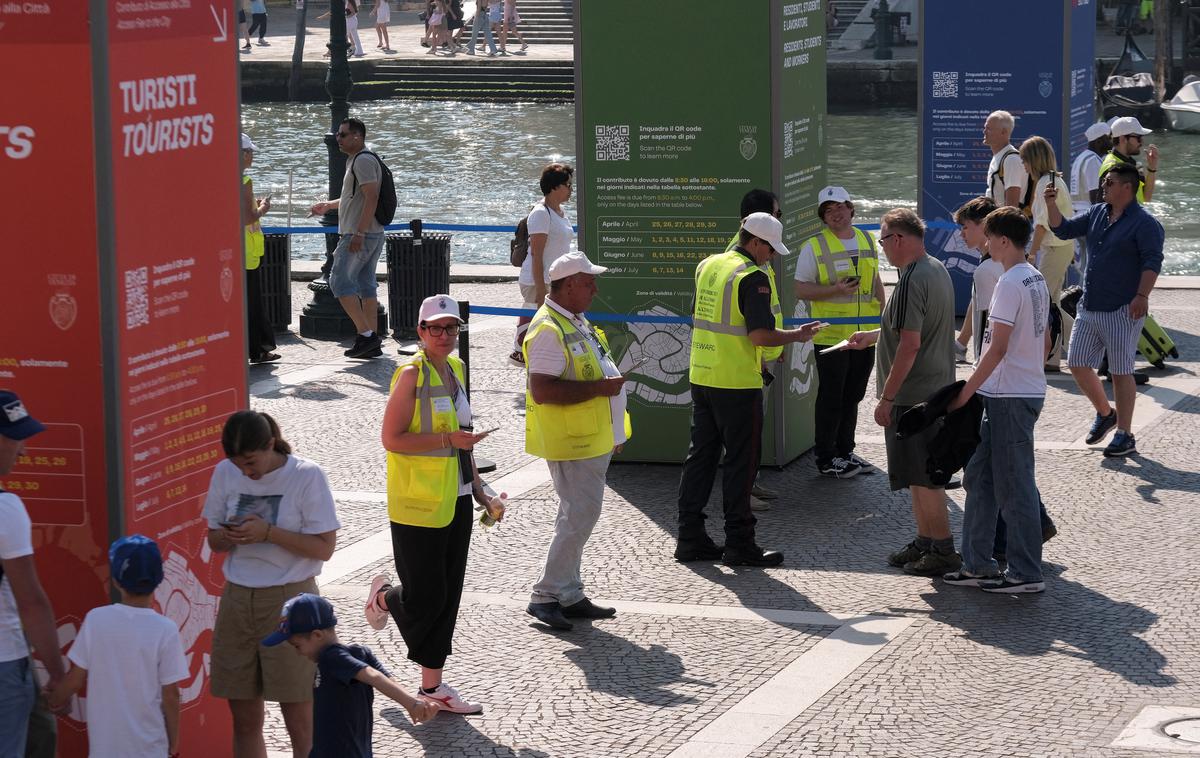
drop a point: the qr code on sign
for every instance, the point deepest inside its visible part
(612, 143)
(137, 302)
(945, 84)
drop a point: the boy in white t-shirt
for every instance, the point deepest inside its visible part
(132, 660)
(1009, 378)
(970, 220)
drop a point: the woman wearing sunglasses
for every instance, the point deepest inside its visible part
(431, 480)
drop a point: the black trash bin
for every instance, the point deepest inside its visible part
(414, 273)
(275, 275)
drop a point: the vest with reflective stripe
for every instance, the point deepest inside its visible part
(722, 355)
(255, 243)
(864, 303)
(568, 432)
(1112, 159)
(422, 487)
(767, 353)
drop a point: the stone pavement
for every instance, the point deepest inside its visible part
(833, 654)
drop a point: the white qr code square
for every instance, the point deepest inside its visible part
(945, 84)
(789, 142)
(137, 300)
(612, 142)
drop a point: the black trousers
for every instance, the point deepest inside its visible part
(843, 377)
(260, 337)
(258, 22)
(729, 419)
(431, 565)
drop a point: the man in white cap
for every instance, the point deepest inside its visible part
(1085, 177)
(1006, 173)
(1127, 137)
(731, 323)
(575, 418)
(837, 280)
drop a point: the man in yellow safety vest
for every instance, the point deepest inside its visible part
(731, 323)
(574, 418)
(837, 278)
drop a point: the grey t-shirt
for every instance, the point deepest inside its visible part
(366, 168)
(923, 301)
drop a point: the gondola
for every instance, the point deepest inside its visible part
(1130, 89)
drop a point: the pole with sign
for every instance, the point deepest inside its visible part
(667, 146)
(1046, 83)
(130, 344)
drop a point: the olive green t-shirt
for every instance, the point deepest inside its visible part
(923, 301)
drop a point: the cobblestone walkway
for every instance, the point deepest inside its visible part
(833, 654)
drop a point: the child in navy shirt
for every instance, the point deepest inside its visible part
(347, 677)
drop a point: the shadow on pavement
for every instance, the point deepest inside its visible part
(451, 734)
(1068, 619)
(1154, 475)
(618, 667)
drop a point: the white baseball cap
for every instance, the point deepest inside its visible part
(833, 195)
(1127, 125)
(573, 263)
(1096, 131)
(246, 143)
(438, 308)
(1112, 121)
(767, 227)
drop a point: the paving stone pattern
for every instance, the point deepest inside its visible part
(1053, 675)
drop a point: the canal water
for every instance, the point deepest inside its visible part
(473, 163)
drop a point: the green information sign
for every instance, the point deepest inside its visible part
(672, 130)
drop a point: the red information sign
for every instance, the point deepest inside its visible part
(175, 359)
(173, 100)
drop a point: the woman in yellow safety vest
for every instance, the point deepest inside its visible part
(431, 479)
(260, 337)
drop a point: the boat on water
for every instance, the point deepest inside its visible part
(1130, 89)
(1183, 110)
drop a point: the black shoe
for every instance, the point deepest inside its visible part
(1101, 427)
(687, 552)
(551, 615)
(586, 609)
(358, 343)
(370, 347)
(752, 555)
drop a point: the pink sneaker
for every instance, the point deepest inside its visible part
(447, 698)
(376, 616)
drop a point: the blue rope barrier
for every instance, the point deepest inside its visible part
(637, 318)
(435, 227)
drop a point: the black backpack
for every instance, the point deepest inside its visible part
(385, 209)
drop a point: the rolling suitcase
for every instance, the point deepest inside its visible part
(1155, 344)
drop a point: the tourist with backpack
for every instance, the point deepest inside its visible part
(366, 205)
(549, 233)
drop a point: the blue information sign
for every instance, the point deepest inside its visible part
(1032, 58)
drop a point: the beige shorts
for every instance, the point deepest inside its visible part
(242, 669)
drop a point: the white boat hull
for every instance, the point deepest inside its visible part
(1182, 118)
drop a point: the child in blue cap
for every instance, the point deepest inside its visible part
(132, 660)
(347, 677)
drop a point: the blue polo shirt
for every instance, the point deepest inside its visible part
(1117, 253)
(343, 716)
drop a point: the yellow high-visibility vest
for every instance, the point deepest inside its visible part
(834, 262)
(255, 242)
(422, 487)
(767, 353)
(1111, 160)
(722, 354)
(580, 430)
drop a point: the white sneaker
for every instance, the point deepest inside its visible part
(376, 616)
(759, 505)
(446, 698)
(960, 352)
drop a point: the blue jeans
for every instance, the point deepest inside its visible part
(17, 693)
(484, 20)
(999, 480)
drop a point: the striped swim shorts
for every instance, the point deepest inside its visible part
(1097, 333)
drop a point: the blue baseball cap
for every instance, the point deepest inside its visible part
(15, 421)
(136, 564)
(304, 613)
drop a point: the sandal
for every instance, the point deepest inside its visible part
(266, 358)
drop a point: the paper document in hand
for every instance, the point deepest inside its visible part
(839, 346)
